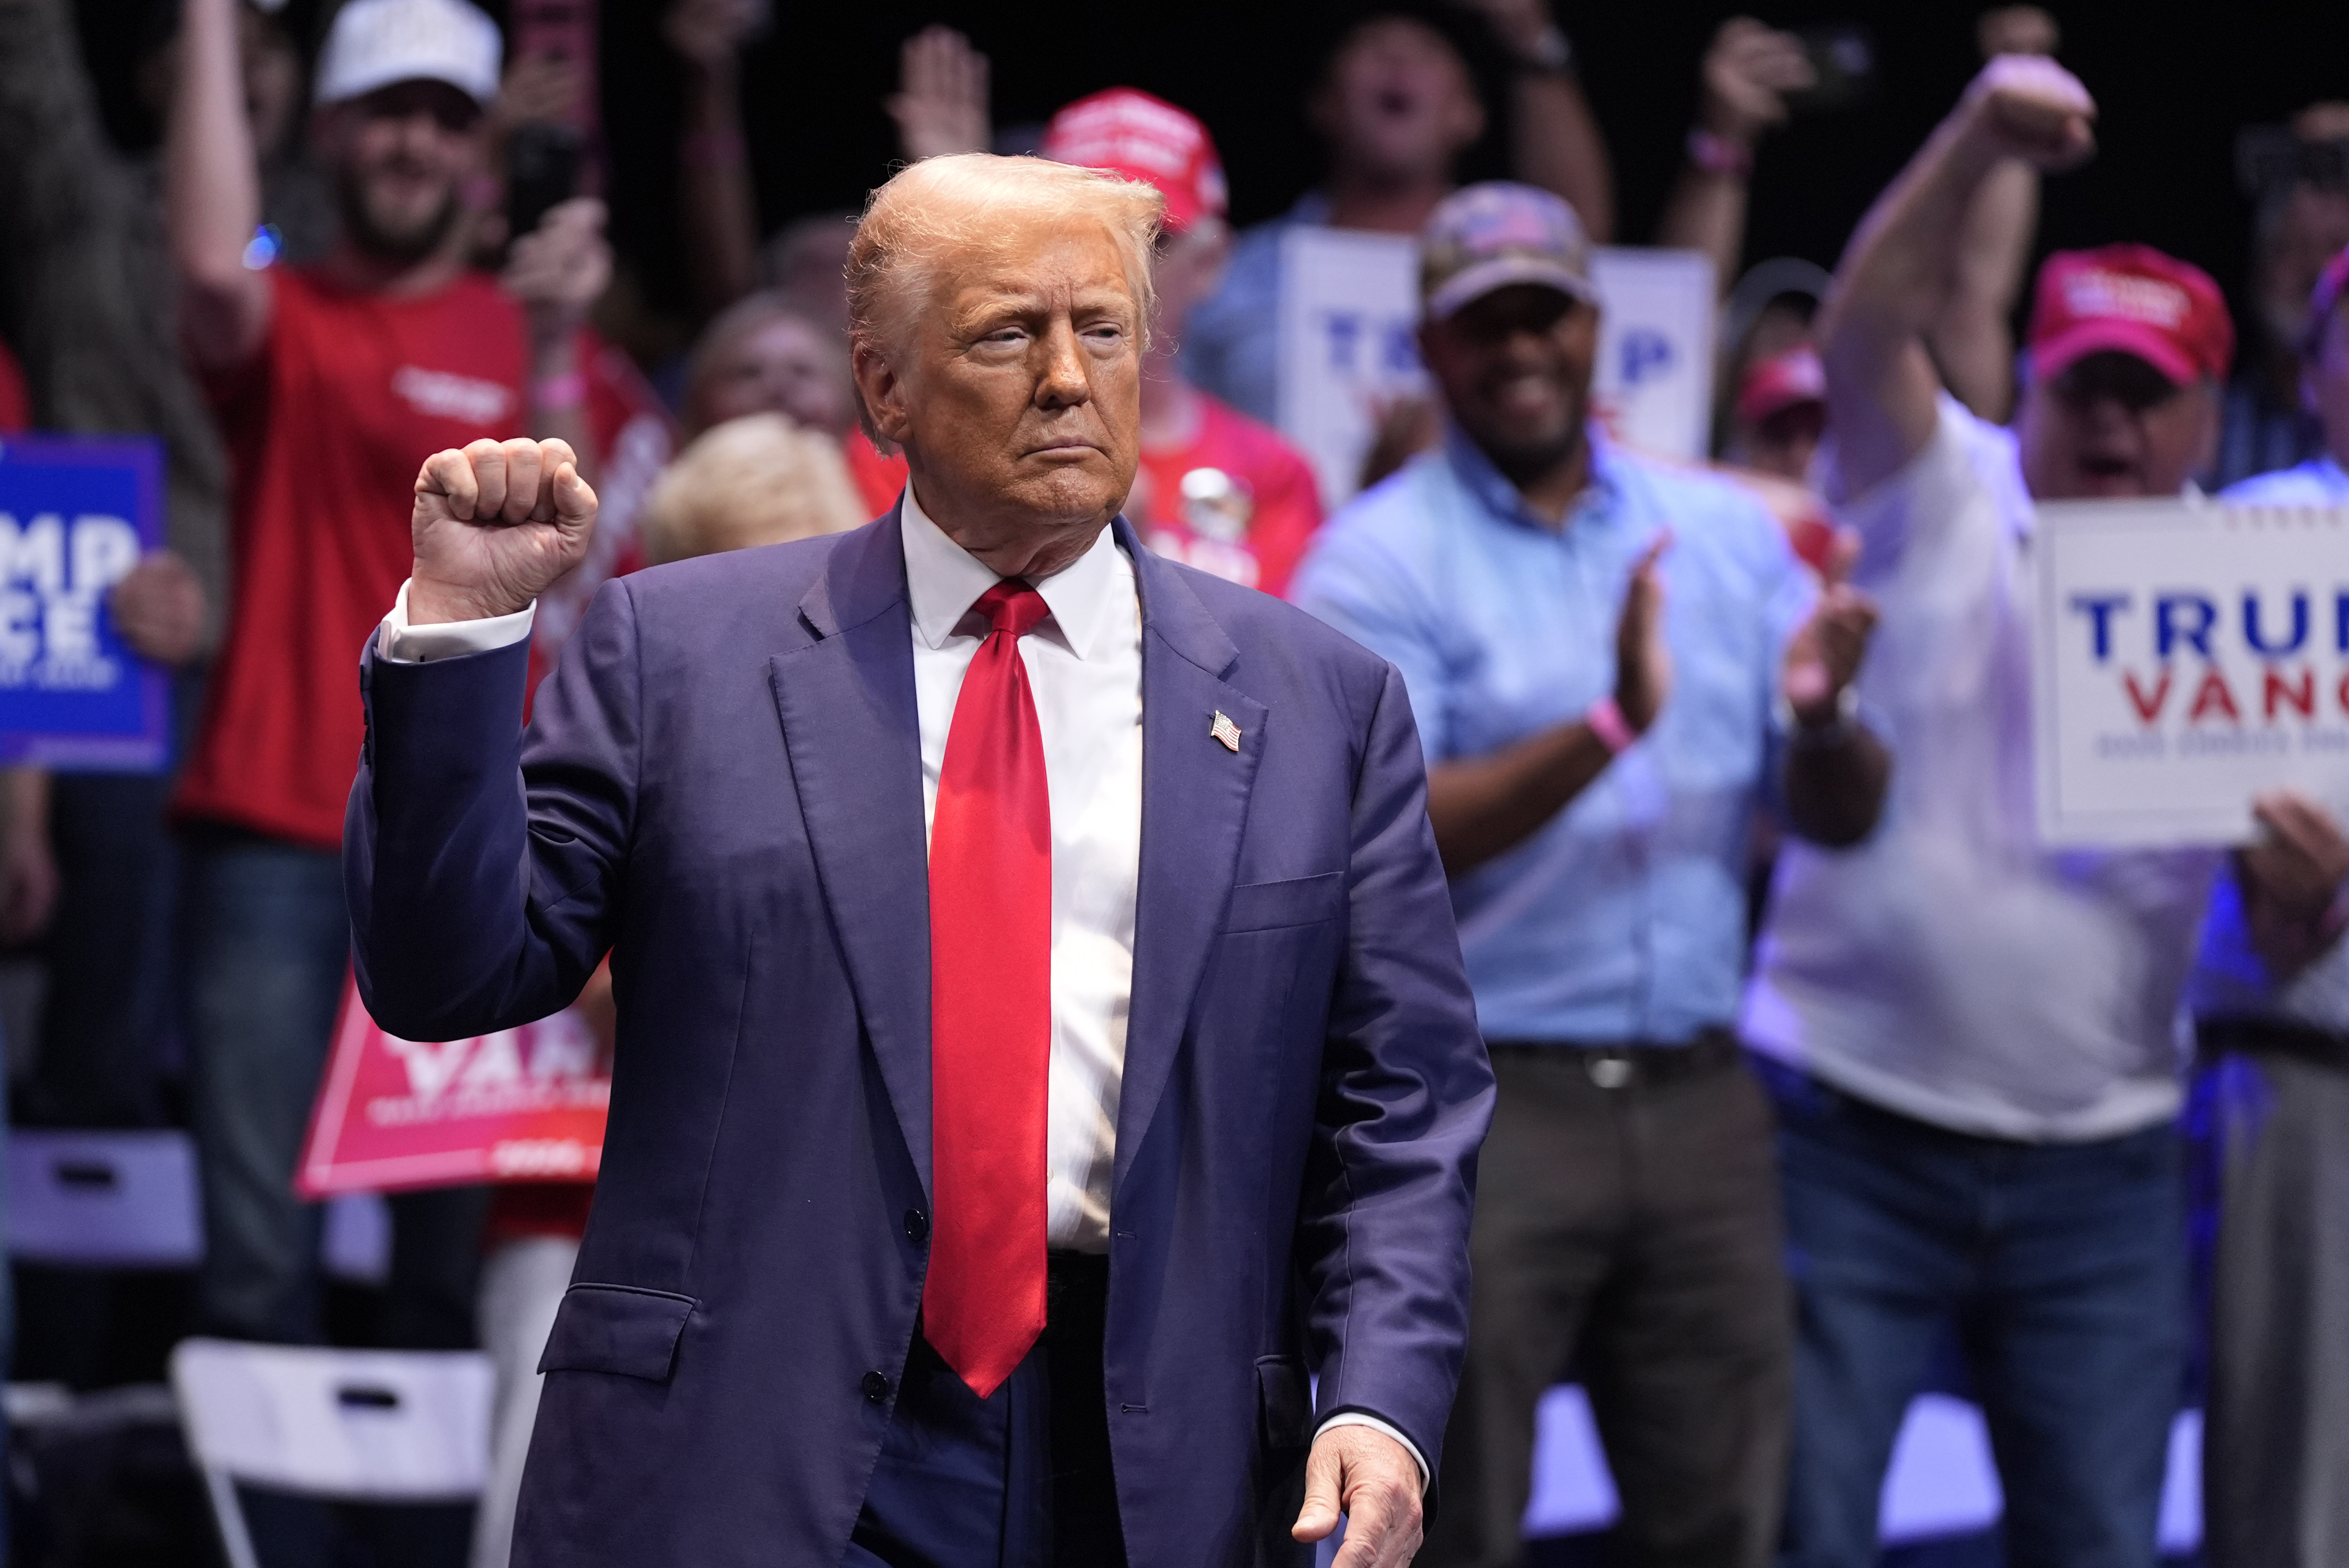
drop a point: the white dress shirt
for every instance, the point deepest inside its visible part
(1084, 673)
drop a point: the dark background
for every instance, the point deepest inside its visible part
(2174, 80)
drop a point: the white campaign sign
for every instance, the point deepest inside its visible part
(2187, 654)
(1349, 325)
(1652, 386)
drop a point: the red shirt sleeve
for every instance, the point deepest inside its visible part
(1288, 515)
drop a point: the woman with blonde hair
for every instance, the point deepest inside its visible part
(760, 479)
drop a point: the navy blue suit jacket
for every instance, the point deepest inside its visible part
(721, 785)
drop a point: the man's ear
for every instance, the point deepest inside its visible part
(882, 392)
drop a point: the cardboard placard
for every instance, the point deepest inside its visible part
(1349, 345)
(2187, 654)
(75, 515)
(521, 1105)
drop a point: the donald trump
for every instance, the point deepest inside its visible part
(1043, 1047)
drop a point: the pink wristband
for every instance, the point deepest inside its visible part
(1714, 154)
(567, 390)
(1607, 722)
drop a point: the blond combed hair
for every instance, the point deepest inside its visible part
(965, 199)
(758, 480)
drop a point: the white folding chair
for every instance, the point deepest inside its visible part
(357, 1426)
(103, 1199)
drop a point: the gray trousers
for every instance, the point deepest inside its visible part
(1628, 1221)
(2275, 1446)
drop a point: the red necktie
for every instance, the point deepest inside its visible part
(990, 1010)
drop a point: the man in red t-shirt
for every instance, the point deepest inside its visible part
(329, 381)
(1216, 489)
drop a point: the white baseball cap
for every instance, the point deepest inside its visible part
(374, 43)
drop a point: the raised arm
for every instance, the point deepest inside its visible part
(1742, 85)
(474, 905)
(717, 211)
(1897, 275)
(1971, 340)
(211, 193)
(1554, 141)
(940, 105)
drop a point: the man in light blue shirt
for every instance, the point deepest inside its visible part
(1597, 648)
(2270, 1108)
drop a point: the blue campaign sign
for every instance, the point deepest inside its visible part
(75, 515)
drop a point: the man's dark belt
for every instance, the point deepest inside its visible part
(1624, 1064)
(2216, 1037)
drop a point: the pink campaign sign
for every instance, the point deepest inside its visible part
(521, 1105)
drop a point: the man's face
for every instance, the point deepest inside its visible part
(1785, 442)
(401, 156)
(1397, 104)
(1017, 389)
(783, 365)
(2314, 228)
(2110, 425)
(1515, 370)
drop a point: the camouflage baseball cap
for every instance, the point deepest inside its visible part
(1489, 236)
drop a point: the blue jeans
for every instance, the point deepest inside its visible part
(268, 944)
(2063, 1269)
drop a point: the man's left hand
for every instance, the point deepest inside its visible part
(2301, 861)
(559, 268)
(1366, 1475)
(1824, 657)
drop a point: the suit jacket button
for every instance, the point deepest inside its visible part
(876, 1388)
(917, 1226)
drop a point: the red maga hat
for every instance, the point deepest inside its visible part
(2134, 300)
(1129, 133)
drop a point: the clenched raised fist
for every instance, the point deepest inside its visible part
(494, 525)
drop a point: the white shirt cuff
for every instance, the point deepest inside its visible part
(1357, 1419)
(402, 643)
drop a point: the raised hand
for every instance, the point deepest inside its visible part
(1746, 75)
(1823, 659)
(1643, 662)
(2028, 107)
(494, 525)
(940, 104)
(1374, 1481)
(557, 270)
(707, 33)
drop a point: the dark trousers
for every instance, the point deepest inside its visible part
(2271, 1111)
(2063, 1268)
(1627, 1220)
(1019, 1480)
(107, 1015)
(268, 948)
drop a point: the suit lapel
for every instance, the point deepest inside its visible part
(853, 735)
(1194, 802)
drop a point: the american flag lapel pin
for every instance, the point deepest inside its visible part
(1225, 730)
